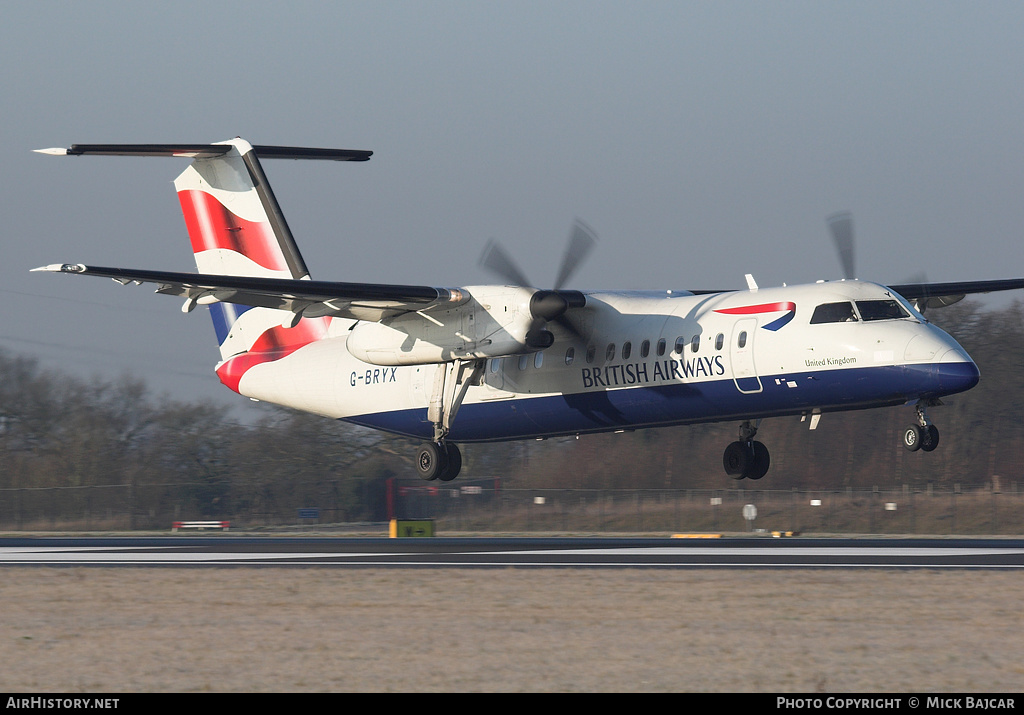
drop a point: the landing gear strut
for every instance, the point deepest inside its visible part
(923, 435)
(440, 459)
(746, 458)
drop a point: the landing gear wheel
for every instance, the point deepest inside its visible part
(913, 437)
(923, 435)
(761, 461)
(454, 457)
(746, 460)
(431, 460)
(737, 460)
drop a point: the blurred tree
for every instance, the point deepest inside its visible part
(59, 431)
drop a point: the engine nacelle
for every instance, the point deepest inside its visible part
(493, 323)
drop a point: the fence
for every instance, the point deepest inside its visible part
(892, 511)
(486, 506)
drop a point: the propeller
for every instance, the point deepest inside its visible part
(917, 289)
(546, 305)
(841, 226)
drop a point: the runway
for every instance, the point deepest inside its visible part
(506, 552)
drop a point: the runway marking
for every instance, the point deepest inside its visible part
(660, 557)
(555, 565)
(779, 551)
(100, 553)
(48, 549)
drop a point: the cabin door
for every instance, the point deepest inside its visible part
(744, 372)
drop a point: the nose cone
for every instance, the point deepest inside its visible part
(956, 372)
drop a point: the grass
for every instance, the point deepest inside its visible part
(76, 630)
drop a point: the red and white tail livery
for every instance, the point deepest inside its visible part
(237, 229)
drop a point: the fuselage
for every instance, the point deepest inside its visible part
(643, 359)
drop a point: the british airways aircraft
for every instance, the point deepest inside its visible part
(512, 362)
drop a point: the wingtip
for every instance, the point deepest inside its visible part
(60, 268)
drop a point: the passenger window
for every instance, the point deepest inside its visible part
(591, 353)
(719, 341)
(645, 348)
(609, 354)
(680, 344)
(570, 355)
(538, 359)
(523, 361)
(495, 364)
(741, 341)
(881, 310)
(833, 313)
(627, 350)
(695, 344)
(661, 347)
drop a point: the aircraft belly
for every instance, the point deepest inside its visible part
(668, 404)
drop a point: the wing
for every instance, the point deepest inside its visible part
(304, 298)
(933, 295)
(937, 295)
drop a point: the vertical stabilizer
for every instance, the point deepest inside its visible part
(237, 229)
(233, 219)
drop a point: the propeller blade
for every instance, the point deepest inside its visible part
(538, 336)
(570, 327)
(496, 260)
(841, 225)
(581, 242)
(546, 306)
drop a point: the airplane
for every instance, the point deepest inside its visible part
(510, 361)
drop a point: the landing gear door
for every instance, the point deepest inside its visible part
(744, 372)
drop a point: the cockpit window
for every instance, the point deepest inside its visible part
(881, 310)
(833, 313)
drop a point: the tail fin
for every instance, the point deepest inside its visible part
(237, 228)
(233, 219)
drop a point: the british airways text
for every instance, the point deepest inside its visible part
(645, 373)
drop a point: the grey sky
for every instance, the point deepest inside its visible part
(701, 140)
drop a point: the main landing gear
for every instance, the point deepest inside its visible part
(440, 459)
(746, 458)
(923, 435)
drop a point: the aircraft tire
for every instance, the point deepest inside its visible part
(454, 459)
(737, 460)
(930, 438)
(912, 438)
(431, 461)
(760, 462)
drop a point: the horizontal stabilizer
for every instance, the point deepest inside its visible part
(204, 151)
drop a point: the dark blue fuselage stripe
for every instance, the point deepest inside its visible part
(674, 404)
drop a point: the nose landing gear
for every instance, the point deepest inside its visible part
(923, 435)
(746, 458)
